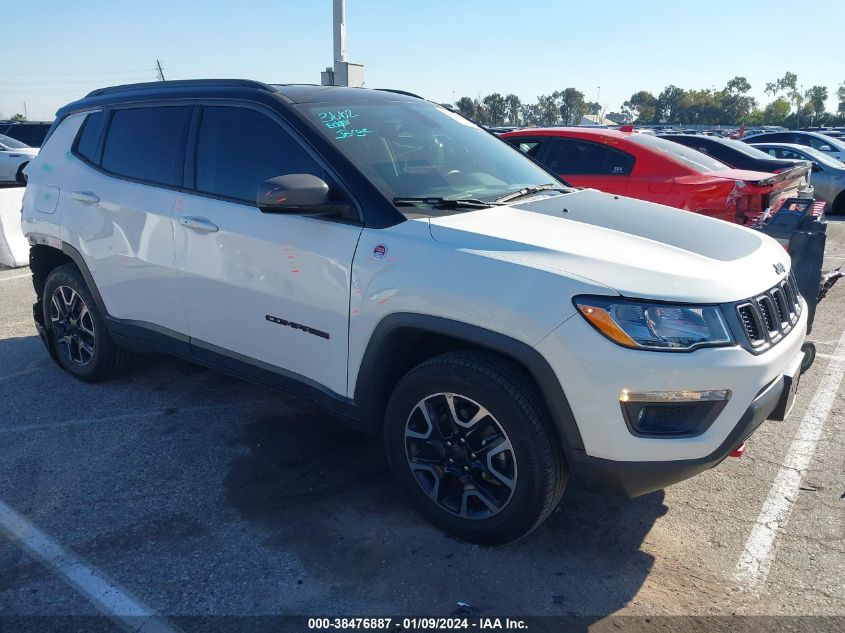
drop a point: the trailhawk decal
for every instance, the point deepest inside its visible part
(297, 326)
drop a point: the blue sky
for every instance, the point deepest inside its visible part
(437, 48)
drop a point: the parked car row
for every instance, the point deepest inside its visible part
(661, 170)
(31, 133)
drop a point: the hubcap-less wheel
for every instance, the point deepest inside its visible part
(72, 326)
(460, 456)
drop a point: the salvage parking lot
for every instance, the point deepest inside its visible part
(200, 495)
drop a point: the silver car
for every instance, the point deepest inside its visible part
(828, 173)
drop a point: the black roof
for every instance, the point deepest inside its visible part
(312, 93)
(231, 88)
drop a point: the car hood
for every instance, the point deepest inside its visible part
(640, 249)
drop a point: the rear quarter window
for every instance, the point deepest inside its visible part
(145, 143)
(88, 140)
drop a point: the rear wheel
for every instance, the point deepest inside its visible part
(469, 441)
(76, 330)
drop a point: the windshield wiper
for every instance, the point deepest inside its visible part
(527, 191)
(444, 203)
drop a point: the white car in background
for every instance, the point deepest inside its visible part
(14, 156)
(833, 147)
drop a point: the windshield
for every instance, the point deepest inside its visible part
(745, 148)
(420, 150)
(692, 158)
(11, 143)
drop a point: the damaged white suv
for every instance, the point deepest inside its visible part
(380, 254)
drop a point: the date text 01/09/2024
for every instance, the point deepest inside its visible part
(417, 624)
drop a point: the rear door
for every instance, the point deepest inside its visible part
(268, 290)
(118, 211)
(588, 164)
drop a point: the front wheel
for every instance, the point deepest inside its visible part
(469, 440)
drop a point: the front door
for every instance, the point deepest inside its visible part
(271, 290)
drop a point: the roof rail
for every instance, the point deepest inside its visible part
(401, 92)
(181, 83)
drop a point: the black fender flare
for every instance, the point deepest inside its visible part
(368, 377)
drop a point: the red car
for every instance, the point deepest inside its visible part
(650, 168)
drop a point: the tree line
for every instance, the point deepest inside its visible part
(791, 106)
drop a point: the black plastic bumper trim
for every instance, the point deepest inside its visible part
(632, 479)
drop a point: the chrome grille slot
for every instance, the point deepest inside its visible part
(766, 318)
(766, 310)
(781, 309)
(751, 324)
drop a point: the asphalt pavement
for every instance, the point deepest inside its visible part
(189, 493)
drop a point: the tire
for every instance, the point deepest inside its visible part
(524, 474)
(838, 206)
(20, 177)
(76, 329)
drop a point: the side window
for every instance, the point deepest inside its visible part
(820, 144)
(569, 156)
(788, 153)
(145, 143)
(529, 146)
(717, 151)
(89, 136)
(239, 148)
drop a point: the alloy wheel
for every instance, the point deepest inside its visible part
(73, 326)
(460, 456)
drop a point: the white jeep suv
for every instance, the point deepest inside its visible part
(384, 256)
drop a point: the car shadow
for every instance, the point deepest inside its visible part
(305, 488)
(324, 493)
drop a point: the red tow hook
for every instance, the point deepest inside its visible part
(738, 451)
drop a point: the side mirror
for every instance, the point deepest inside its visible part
(825, 148)
(294, 193)
(816, 167)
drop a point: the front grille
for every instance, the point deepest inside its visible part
(749, 322)
(767, 317)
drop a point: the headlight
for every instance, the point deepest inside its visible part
(655, 326)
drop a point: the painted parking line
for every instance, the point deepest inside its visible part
(754, 563)
(109, 598)
(15, 277)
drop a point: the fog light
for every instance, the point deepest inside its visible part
(672, 413)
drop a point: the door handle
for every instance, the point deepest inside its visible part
(197, 223)
(85, 197)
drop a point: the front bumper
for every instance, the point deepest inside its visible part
(611, 457)
(632, 479)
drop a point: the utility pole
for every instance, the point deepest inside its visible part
(341, 72)
(159, 70)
